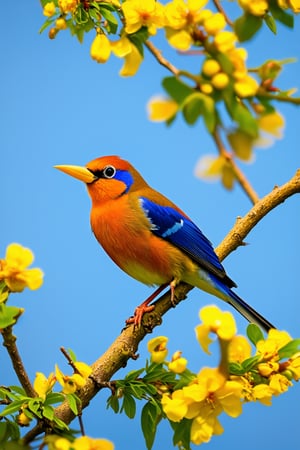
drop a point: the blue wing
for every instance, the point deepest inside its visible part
(168, 223)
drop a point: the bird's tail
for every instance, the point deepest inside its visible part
(247, 311)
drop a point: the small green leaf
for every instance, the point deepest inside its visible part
(12, 408)
(270, 22)
(45, 25)
(176, 89)
(290, 349)
(113, 403)
(72, 399)
(236, 369)
(150, 417)
(134, 374)
(9, 315)
(129, 406)
(111, 19)
(247, 26)
(60, 424)
(241, 115)
(250, 363)
(182, 433)
(34, 406)
(281, 15)
(254, 333)
(48, 412)
(53, 398)
(198, 104)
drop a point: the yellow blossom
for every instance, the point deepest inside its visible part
(161, 109)
(250, 393)
(293, 365)
(272, 123)
(246, 87)
(268, 348)
(294, 5)
(214, 24)
(220, 80)
(68, 6)
(83, 369)
(211, 168)
(225, 41)
(43, 385)
(181, 40)
(100, 48)
(216, 321)
(180, 14)
(255, 7)
(279, 383)
(174, 405)
(88, 443)
(61, 23)
(210, 67)
(242, 144)
(124, 48)
(239, 349)
(157, 348)
(178, 363)
(57, 443)
(206, 88)
(49, 9)
(205, 426)
(69, 383)
(268, 368)
(143, 13)
(13, 269)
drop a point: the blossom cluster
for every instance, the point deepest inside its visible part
(240, 377)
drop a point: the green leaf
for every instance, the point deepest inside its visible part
(113, 403)
(247, 26)
(198, 104)
(48, 412)
(134, 374)
(271, 23)
(281, 15)
(236, 369)
(53, 398)
(254, 333)
(9, 315)
(176, 89)
(250, 363)
(182, 433)
(45, 25)
(111, 19)
(72, 399)
(241, 115)
(34, 406)
(12, 408)
(60, 424)
(129, 406)
(150, 417)
(289, 349)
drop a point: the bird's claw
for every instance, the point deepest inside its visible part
(139, 311)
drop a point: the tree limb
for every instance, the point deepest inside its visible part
(126, 345)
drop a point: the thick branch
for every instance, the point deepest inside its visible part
(9, 341)
(126, 345)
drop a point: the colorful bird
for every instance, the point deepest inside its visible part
(150, 238)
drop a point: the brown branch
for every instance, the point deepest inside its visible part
(160, 58)
(222, 11)
(126, 345)
(239, 174)
(9, 341)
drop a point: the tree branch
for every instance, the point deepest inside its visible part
(126, 345)
(160, 58)
(9, 341)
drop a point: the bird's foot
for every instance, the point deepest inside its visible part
(144, 307)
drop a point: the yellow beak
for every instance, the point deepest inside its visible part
(81, 173)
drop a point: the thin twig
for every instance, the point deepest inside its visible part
(125, 346)
(9, 341)
(160, 58)
(279, 97)
(239, 175)
(222, 11)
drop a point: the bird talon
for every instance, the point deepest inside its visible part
(139, 312)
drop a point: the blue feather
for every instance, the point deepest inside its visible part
(168, 223)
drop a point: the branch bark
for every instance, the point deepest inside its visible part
(126, 345)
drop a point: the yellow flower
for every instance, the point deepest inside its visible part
(124, 48)
(100, 48)
(161, 109)
(178, 363)
(205, 426)
(174, 406)
(13, 269)
(60, 23)
(268, 348)
(242, 144)
(268, 368)
(279, 383)
(88, 443)
(49, 9)
(294, 5)
(225, 41)
(293, 364)
(57, 443)
(68, 6)
(239, 349)
(272, 123)
(216, 321)
(210, 67)
(83, 369)
(181, 40)
(143, 13)
(180, 13)
(220, 80)
(255, 7)
(250, 393)
(214, 24)
(157, 348)
(246, 87)
(212, 168)
(43, 385)
(69, 383)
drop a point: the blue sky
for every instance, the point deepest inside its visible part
(60, 107)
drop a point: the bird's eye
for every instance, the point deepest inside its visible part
(109, 172)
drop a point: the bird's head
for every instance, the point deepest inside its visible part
(107, 177)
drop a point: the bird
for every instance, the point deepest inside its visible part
(150, 238)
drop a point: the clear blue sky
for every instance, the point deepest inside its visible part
(60, 107)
